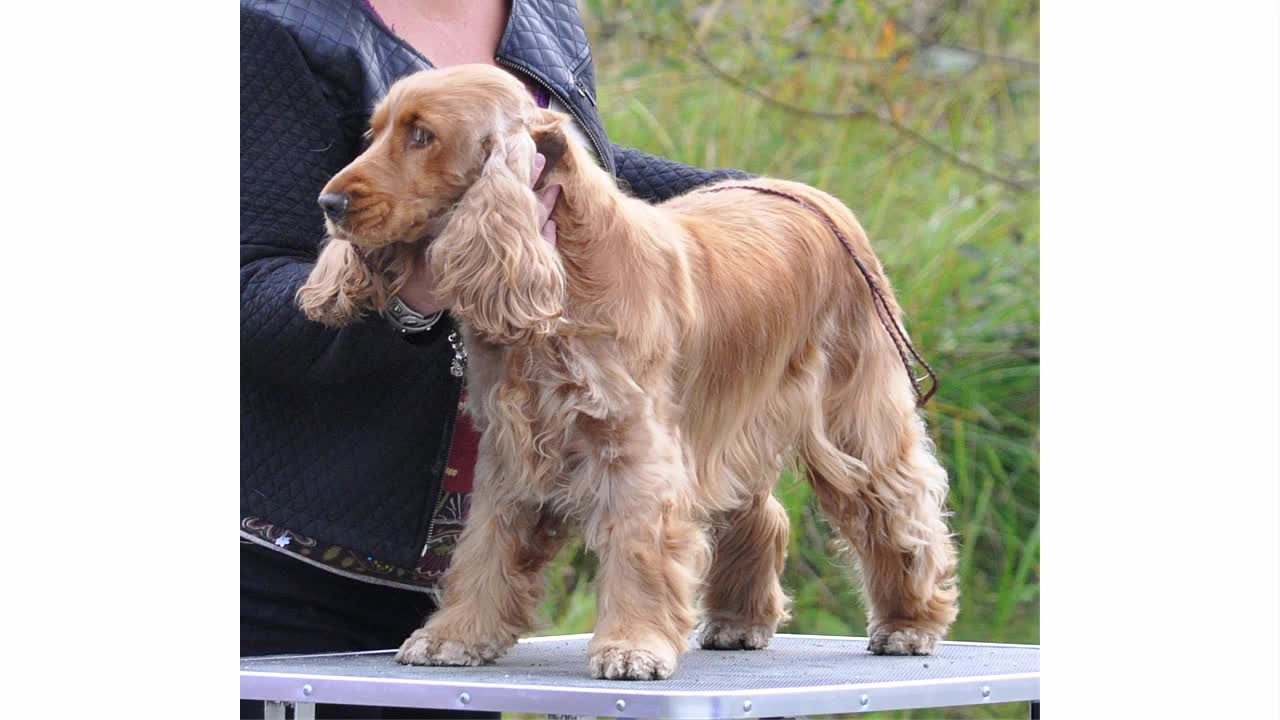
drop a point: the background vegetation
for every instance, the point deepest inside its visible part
(923, 116)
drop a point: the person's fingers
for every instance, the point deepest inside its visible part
(549, 232)
(539, 162)
(547, 203)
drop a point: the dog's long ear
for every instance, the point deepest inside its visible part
(492, 265)
(340, 287)
(548, 137)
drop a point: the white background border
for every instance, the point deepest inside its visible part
(1160, 358)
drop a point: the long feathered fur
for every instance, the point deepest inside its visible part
(644, 383)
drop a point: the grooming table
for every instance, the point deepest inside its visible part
(796, 675)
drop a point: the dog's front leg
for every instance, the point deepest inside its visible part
(652, 556)
(493, 585)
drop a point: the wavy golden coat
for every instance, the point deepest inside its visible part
(644, 383)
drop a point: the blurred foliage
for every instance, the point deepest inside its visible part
(923, 116)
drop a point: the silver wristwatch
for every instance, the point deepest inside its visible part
(407, 320)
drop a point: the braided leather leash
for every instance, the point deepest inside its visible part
(881, 303)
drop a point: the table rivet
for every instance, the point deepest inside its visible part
(986, 691)
(746, 706)
(464, 698)
(621, 705)
(864, 700)
(307, 689)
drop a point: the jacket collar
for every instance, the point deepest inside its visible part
(545, 40)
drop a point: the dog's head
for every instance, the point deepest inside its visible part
(447, 169)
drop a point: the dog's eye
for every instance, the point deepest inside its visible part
(421, 136)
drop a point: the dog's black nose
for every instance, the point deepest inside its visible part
(334, 205)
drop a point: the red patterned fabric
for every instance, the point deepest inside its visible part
(460, 472)
(450, 513)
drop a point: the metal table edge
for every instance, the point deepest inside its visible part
(674, 705)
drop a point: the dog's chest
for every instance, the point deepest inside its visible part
(553, 415)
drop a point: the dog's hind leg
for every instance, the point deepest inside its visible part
(903, 550)
(742, 594)
(888, 504)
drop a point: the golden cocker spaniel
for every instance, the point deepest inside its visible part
(643, 382)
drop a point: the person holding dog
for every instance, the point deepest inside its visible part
(355, 461)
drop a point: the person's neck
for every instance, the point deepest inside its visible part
(447, 32)
(443, 10)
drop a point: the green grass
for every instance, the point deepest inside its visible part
(961, 247)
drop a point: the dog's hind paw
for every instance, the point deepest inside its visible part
(620, 663)
(724, 635)
(422, 648)
(892, 639)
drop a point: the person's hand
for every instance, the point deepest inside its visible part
(546, 201)
(419, 290)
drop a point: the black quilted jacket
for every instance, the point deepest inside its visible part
(344, 434)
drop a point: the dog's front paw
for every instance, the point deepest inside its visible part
(623, 663)
(897, 639)
(727, 635)
(424, 648)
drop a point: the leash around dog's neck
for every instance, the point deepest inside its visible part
(881, 303)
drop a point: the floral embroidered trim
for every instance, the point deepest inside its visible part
(335, 556)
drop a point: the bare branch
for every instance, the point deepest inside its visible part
(805, 51)
(1018, 62)
(862, 112)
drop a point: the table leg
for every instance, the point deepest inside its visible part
(304, 711)
(1035, 710)
(273, 710)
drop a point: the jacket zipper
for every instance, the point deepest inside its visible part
(531, 73)
(448, 451)
(582, 90)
